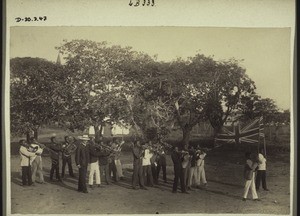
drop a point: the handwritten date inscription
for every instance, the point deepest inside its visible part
(137, 3)
(30, 19)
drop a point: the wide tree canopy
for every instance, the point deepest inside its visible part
(101, 83)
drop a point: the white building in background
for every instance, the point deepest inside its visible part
(108, 130)
(119, 130)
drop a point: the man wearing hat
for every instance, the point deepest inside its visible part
(82, 158)
(55, 148)
(26, 160)
(68, 148)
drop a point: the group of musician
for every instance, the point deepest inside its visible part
(97, 155)
(188, 168)
(103, 158)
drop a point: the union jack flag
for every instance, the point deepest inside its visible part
(248, 133)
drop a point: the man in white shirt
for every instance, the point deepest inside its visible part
(26, 160)
(261, 171)
(146, 163)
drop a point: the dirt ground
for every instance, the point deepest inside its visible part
(224, 171)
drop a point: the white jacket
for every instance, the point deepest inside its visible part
(146, 159)
(26, 156)
(262, 162)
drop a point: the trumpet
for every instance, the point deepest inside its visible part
(69, 149)
(102, 147)
(167, 145)
(184, 152)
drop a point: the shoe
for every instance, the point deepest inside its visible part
(91, 186)
(244, 199)
(185, 192)
(107, 183)
(85, 191)
(174, 191)
(257, 199)
(189, 188)
(267, 189)
(134, 188)
(144, 188)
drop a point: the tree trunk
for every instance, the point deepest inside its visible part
(35, 133)
(28, 136)
(100, 130)
(97, 135)
(186, 135)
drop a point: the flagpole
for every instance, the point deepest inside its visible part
(258, 144)
(265, 147)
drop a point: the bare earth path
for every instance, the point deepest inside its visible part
(223, 194)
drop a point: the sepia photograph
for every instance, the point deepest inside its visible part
(150, 120)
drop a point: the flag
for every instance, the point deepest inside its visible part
(249, 133)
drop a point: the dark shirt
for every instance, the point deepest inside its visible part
(161, 159)
(82, 156)
(194, 159)
(94, 153)
(54, 151)
(103, 159)
(137, 154)
(176, 158)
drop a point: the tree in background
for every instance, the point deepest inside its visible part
(103, 83)
(36, 94)
(229, 87)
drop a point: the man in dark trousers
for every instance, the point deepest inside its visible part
(82, 159)
(178, 170)
(26, 161)
(103, 161)
(261, 171)
(55, 148)
(68, 148)
(162, 164)
(137, 166)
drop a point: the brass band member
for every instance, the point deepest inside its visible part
(26, 153)
(95, 153)
(37, 164)
(55, 148)
(117, 153)
(68, 148)
(146, 163)
(178, 170)
(82, 158)
(104, 163)
(137, 176)
(162, 164)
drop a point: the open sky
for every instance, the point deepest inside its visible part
(265, 51)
